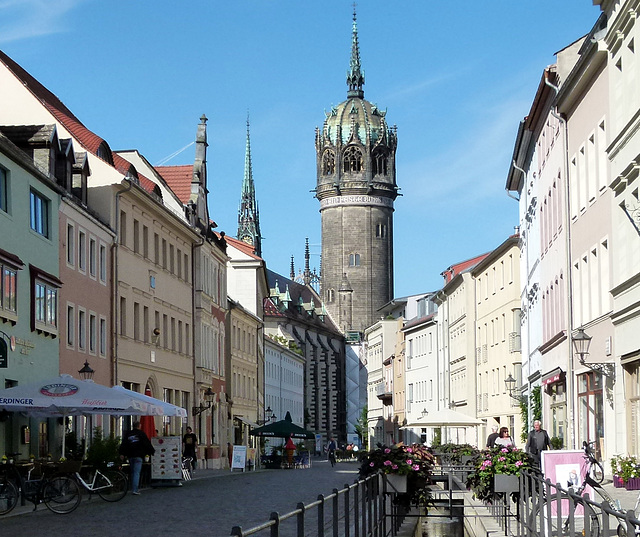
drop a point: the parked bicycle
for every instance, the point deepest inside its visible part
(594, 466)
(41, 484)
(110, 484)
(567, 511)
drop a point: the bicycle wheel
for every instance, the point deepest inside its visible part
(545, 522)
(8, 496)
(118, 488)
(596, 471)
(61, 494)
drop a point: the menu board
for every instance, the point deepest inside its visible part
(239, 457)
(166, 463)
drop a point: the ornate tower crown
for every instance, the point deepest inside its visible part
(248, 214)
(355, 76)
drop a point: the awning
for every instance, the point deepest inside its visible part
(553, 377)
(246, 421)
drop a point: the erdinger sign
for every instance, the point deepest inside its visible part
(59, 390)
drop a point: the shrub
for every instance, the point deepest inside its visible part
(103, 450)
(625, 467)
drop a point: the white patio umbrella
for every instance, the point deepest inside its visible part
(65, 396)
(446, 418)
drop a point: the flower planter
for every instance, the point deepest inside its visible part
(632, 483)
(617, 482)
(396, 483)
(506, 483)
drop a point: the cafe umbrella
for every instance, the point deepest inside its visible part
(65, 396)
(283, 429)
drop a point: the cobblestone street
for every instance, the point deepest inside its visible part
(209, 505)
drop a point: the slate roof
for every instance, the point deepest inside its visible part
(300, 296)
(179, 180)
(29, 134)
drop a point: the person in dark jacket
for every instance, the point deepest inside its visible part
(537, 442)
(491, 439)
(135, 446)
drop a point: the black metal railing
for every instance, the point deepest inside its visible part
(358, 510)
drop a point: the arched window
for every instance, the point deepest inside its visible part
(379, 163)
(328, 162)
(352, 161)
(354, 260)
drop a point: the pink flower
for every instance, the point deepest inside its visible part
(387, 450)
(409, 450)
(518, 463)
(372, 464)
(409, 462)
(504, 450)
(501, 459)
(395, 467)
(416, 467)
(388, 463)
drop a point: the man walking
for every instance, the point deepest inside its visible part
(135, 446)
(537, 442)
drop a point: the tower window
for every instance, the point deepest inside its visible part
(330, 296)
(328, 163)
(381, 231)
(352, 160)
(354, 260)
(379, 163)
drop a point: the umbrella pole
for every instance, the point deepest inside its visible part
(64, 432)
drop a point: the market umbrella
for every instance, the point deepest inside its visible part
(65, 396)
(147, 423)
(445, 417)
(283, 429)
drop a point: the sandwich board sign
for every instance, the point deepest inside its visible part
(239, 459)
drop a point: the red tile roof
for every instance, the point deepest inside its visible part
(450, 273)
(179, 180)
(242, 246)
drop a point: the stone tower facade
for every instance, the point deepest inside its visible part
(248, 214)
(356, 187)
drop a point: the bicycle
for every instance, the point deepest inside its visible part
(110, 484)
(187, 468)
(556, 513)
(58, 492)
(594, 466)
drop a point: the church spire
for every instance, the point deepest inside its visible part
(355, 76)
(248, 214)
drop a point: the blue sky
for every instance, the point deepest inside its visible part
(455, 77)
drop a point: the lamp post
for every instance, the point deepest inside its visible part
(209, 394)
(86, 373)
(581, 343)
(510, 384)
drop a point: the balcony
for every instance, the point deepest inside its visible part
(384, 393)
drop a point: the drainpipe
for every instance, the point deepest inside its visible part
(192, 352)
(114, 282)
(567, 223)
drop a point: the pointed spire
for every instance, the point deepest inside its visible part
(355, 76)
(292, 272)
(248, 214)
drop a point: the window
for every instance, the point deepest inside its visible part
(330, 295)
(82, 251)
(123, 316)
(145, 242)
(82, 339)
(71, 321)
(93, 335)
(92, 257)
(186, 268)
(328, 162)
(354, 260)
(103, 337)
(352, 160)
(164, 253)
(103, 263)
(136, 236)
(45, 304)
(39, 214)
(381, 231)
(156, 249)
(123, 228)
(145, 325)
(179, 256)
(136, 321)
(71, 255)
(4, 206)
(8, 300)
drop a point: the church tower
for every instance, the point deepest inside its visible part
(248, 214)
(356, 187)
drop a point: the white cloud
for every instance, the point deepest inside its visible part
(24, 19)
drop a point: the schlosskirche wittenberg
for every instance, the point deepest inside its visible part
(145, 293)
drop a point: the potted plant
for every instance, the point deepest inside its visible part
(498, 461)
(626, 472)
(406, 470)
(556, 442)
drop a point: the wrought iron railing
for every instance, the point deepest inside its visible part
(358, 510)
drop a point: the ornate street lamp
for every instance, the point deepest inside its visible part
(209, 395)
(86, 373)
(581, 343)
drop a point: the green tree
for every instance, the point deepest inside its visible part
(362, 429)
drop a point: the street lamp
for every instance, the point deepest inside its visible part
(209, 395)
(86, 373)
(581, 342)
(510, 384)
(424, 413)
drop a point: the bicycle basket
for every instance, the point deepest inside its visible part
(68, 467)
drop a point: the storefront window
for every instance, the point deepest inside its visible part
(590, 409)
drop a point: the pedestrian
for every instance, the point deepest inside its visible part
(331, 451)
(492, 437)
(537, 442)
(189, 445)
(135, 446)
(504, 439)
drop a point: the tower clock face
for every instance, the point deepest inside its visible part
(247, 239)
